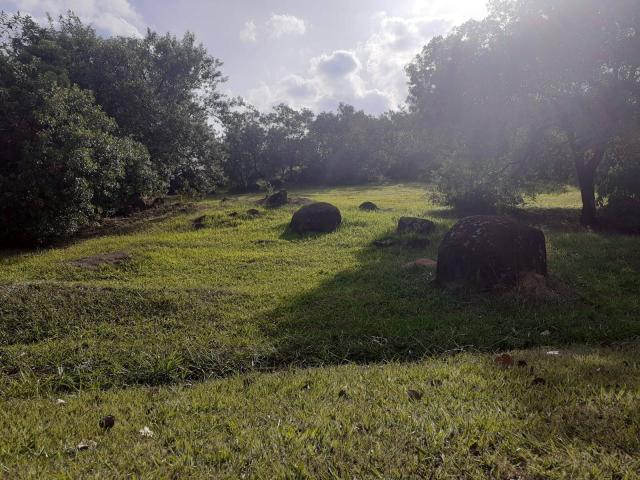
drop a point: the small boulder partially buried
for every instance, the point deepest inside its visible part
(368, 206)
(318, 217)
(278, 199)
(420, 226)
(482, 252)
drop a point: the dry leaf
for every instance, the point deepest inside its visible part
(504, 360)
(87, 445)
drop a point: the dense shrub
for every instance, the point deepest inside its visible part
(71, 172)
(473, 189)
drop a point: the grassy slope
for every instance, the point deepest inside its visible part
(218, 301)
(475, 420)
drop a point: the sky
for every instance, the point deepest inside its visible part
(305, 53)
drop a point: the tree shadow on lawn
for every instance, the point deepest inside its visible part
(556, 219)
(382, 311)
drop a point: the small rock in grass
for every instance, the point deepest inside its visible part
(368, 206)
(61, 402)
(107, 423)
(414, 395)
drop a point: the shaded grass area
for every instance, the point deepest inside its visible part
(242, 295)
(470, 418)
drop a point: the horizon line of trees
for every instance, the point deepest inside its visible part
(538, 94)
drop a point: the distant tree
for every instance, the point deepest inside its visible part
(287, 144)
(244, 141)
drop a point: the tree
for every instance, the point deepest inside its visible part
(162, 91)
(244, 141)
(564, 71)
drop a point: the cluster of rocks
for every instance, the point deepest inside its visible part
(482, 252)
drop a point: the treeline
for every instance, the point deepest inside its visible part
(538, 94)
(297, 147)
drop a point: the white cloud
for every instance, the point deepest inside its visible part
(113, 17)
(280, 25)
(392, 46)
(248, 32)
(337, 64)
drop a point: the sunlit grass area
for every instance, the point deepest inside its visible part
(249, 314)
(572, 415)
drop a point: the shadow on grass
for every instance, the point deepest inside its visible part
(383, 311)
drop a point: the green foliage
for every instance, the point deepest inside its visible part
(472, 189)
(90, 126)
(561, 71)
(72, 172)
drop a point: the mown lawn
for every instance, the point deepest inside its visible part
(230, 303)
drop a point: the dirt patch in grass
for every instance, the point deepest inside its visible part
(94, 262)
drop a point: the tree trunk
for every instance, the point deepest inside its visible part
(586, 180)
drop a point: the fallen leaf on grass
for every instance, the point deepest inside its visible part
(504, 360)
(87, 445)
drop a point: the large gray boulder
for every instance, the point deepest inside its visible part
(482, 252)
(318, 217)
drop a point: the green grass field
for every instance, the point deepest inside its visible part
(232, 343)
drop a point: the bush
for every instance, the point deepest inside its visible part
(71, 172)
(474, 190)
